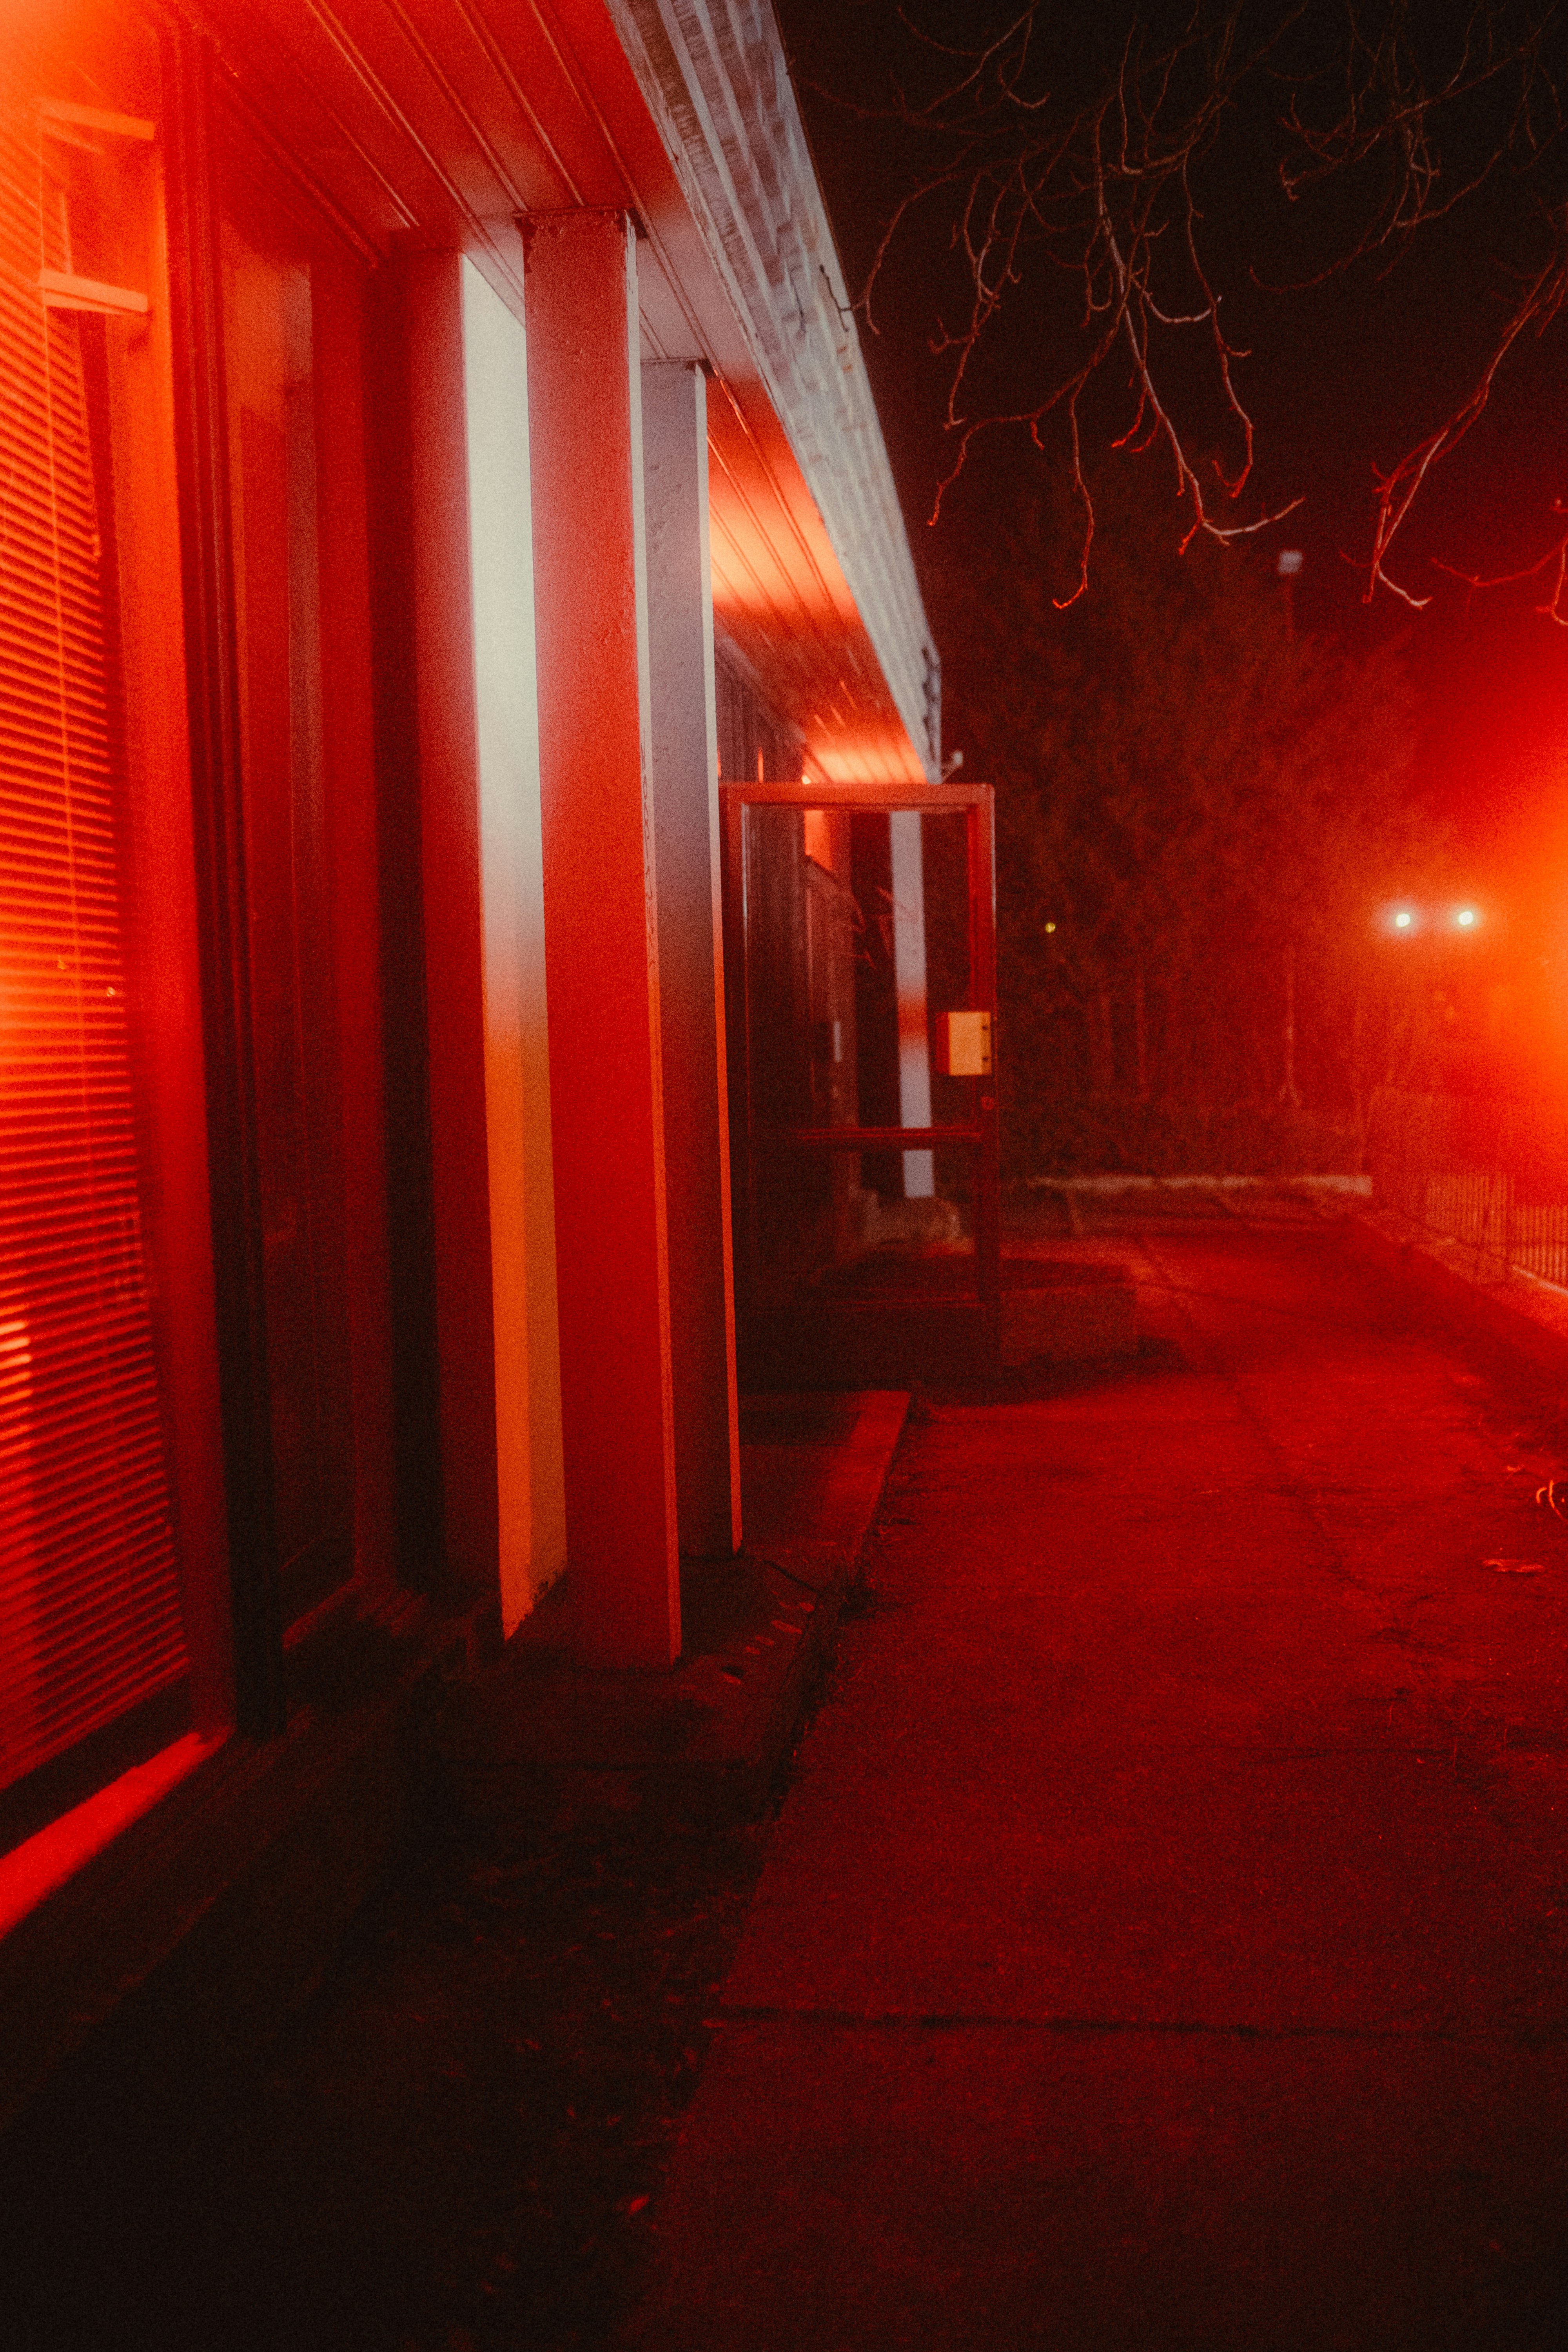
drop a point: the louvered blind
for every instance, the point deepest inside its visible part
(89, 1615)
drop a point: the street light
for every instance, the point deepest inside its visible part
(1409, 919)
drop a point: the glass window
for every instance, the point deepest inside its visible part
(271, 286)
(91, 1631)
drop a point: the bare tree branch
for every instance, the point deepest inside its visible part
(1103, 175)
(1557, 557)
(1397, 490)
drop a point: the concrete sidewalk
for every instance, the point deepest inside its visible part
(1163, 1941)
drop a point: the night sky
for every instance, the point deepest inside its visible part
(1338, 382)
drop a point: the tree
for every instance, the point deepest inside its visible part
(1199, 814)
(1117, 190)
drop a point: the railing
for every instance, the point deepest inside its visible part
(1490, 1175)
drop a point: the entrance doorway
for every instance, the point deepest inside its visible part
(859, 926)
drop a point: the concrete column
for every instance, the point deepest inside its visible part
(607, 1089)
(691, 960)
(909, 980)
(502, 1481)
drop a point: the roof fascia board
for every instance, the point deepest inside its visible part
(715, 79)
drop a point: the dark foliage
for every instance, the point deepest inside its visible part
(1200, 813)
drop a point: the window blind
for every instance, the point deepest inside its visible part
(89, 1614)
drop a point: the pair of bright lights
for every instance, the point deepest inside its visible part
(1465, 919)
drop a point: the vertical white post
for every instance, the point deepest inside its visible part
(909, 980)
(531, 1479)
(584, 414)
(497, 1330)
(690, 958)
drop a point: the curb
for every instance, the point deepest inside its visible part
(533, 1737)
(1526, 1319)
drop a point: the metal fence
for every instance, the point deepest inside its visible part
(1490, 1175)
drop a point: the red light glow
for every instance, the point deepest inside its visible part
(34, 1869)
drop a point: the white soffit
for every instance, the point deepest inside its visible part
(438, 125)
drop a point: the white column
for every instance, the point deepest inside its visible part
(690, 958)
(600, 902)
(503, 1487)
(909, 980)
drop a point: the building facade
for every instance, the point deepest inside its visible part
(437, 451)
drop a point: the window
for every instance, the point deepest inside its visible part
(91, 1625)
(291, 304)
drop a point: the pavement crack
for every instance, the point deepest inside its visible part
(912, 2021)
